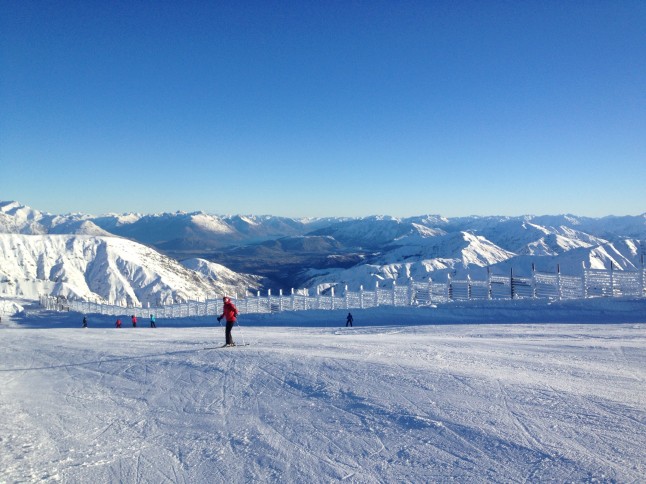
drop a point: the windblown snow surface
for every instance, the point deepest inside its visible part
(484, 392)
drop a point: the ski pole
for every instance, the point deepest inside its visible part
(241, 332)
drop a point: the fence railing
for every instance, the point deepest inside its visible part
(540, 285)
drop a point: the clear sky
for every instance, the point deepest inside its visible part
(324, 108)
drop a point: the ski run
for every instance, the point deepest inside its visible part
(534, 393)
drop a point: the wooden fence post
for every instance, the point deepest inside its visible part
(489, 288)
(641, 276)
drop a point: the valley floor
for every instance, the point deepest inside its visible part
(491, 402)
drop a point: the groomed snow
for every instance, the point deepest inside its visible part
(407, 395)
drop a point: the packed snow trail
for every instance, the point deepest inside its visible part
(498, 403)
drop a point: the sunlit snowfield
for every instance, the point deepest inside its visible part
(321, 403)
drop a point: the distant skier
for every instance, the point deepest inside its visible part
(348, 321)
(85, 321)
(230, 314)
(152, 321)
(134, 321)
(117, 324)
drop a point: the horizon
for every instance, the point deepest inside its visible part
(306, 109)
(374, 215)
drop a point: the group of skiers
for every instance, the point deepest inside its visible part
(133, 318)
(117, 324)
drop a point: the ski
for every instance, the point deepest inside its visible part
(224, 346)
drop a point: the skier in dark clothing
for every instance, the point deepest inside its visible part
(230, 314)
(348, 321)
(152, 321)
(85, 321)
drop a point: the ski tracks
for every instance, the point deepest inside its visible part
(301, 400)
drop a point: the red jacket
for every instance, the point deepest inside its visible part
(229, 311)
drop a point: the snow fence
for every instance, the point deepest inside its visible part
(540, 285)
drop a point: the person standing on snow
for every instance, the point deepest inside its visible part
(152, 321)
(117, 324)
(348, 321)
(229, 313)
(134, 321)
(85, 321)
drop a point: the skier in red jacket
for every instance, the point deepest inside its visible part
(230, 313)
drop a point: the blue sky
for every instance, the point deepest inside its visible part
(335, 108)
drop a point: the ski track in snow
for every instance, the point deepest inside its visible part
(496, 403)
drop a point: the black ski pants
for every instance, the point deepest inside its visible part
(227, 332)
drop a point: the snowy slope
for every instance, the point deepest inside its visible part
(380, 402)
(107, 269)
(419, 258)
(475, 259)
(624, 255)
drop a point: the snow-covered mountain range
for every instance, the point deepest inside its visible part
(103, 257)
